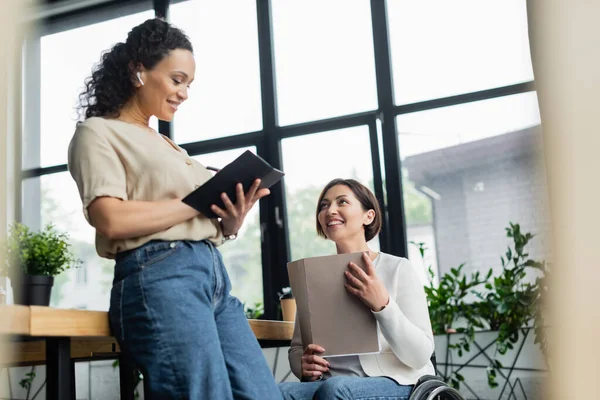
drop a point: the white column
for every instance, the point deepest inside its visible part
(9, 17)
(10, 121)
(566, 61)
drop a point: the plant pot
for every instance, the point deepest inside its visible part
(288, 309)
(33, 290)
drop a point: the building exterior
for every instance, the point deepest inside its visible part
(476, 189)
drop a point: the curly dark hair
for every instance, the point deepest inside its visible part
(112, 81)
(367, 200)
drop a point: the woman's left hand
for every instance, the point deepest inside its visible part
(233, 216)
(367, 286)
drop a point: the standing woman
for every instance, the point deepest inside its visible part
(349, 215)
(170, 306)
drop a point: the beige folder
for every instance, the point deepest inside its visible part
(328, 314)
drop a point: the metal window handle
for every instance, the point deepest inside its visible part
(278, 219)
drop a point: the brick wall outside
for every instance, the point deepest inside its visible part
(477, 204)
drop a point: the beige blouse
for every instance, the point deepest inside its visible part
(108, 157)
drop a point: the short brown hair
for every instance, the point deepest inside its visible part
(366, 198)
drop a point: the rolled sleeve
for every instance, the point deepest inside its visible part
(96, 167)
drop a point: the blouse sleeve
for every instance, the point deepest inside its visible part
(96, 167)
(296, 351)
(405, 321)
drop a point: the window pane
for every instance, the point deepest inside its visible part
(442, 48)
(243, 257)
(67, 59)
(324, 59)
(471, 169)
(225, 96)
(87, 287)
(343, 153)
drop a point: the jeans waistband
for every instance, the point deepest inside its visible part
(120, 256)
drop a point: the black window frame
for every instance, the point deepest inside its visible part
(273, 220)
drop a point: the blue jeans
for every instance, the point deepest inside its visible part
(346, 388)
(171, 312)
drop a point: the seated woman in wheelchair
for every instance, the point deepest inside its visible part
(349, 214)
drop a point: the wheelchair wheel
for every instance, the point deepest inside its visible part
(434, 389)
(445, 393)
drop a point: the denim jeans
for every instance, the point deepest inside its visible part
(171, 312)
(346, 388)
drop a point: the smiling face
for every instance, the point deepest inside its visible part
(342, 217)
(166, 85)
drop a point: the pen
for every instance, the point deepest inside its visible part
(212, 168)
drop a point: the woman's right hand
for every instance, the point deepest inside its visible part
(313, 366)
(232, 217)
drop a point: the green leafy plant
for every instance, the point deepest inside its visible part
(26, 382)
(448, 303)
(47, 252)
(509, 303)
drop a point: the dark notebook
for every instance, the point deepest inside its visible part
(245, 170)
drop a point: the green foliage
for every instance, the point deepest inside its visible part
(26, 382)
(508, 303)
(447, 301)
(417, 207)
(301, 208)
(511, 303)
(242, 257)
(448, 304)
(46, 252)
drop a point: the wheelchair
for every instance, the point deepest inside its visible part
(432, 387)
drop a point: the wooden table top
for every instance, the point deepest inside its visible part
(88, 330)
(38, 321)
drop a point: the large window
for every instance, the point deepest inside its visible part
(242, 257)
(66, 60)
(445, 48)
(89, 285)
(310, 162)
(225, 96)
(478, 166)
(305, 85)
(324, 59)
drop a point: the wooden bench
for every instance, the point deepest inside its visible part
(60, 337)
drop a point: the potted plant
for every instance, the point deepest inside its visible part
(33, 259)
(505, 305)
(288, 304)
